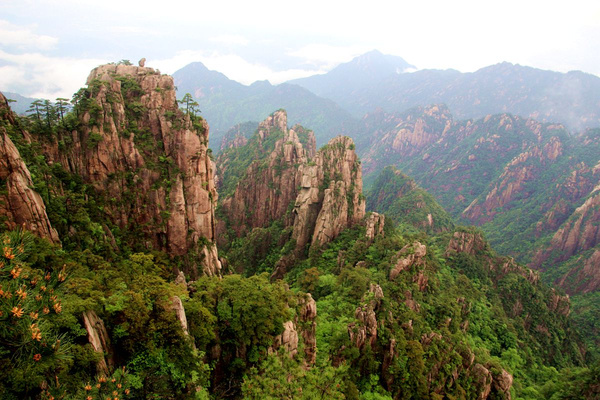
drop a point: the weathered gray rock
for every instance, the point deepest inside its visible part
(409, 255)
(374, 223)
(100, 341)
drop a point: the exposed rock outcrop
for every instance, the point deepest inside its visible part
(375, 223)
(288, 340)
(20, 204)
(580, 233)
(99, 339)
(317, 198)
(411, 254)
(365, 329)
(330, 197)
(482, 377)
(271, 185)
(465, 242)
(177, 307)
(525, 167)
(150, 160)
(308, 318)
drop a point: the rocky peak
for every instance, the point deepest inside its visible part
(467, 242)
(325, 192)
(136, 147)
(276, 121)
(409, 255)
(269, 186)
(20, 204)
(375, 223)
(330, 198)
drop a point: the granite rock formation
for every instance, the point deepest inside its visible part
(20, 204)
(147, 157)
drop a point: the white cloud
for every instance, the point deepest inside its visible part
(230, 39)
(233, 66)
(131, 30)
(325, 56)
(24, 38)
(45, 77)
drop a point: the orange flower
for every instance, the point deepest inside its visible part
(43, 288)
(47, 277)
(37, 357)
(102, 379)
(38, 297)
(88, 387)
(35, 333)
(118, 386)
(46, 310)
(33, 282)
(8, 253)
(17, 311)
(89, 398)
(33, 315)
(127, 392)
(115, 393)
(16, 272)
(22, 293)
(98, 386)
(57, 307)
(113, 380)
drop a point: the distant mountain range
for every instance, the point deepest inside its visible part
(332, 103)
(21, 103)
(531, 186)
(225, 103)
(354, 77)
(375, 80)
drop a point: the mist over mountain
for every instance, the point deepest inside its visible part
(370, 81)
(354, 76)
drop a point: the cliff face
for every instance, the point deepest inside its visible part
(148, 158)
(20, 204)
(526, 183)
(513, 182)
(330, 197)
(271, 185)
(576, 242)
(316, 194)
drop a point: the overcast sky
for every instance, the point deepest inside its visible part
(48, 47)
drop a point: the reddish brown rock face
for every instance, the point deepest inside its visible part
(330, 198)
(581, 232)
(325, 191)
(270, 186)
(149, 159)
(20, 204)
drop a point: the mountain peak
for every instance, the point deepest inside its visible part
(361, 71)
(375, 61)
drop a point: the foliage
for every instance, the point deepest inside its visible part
(399, 198)
(282, 377)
